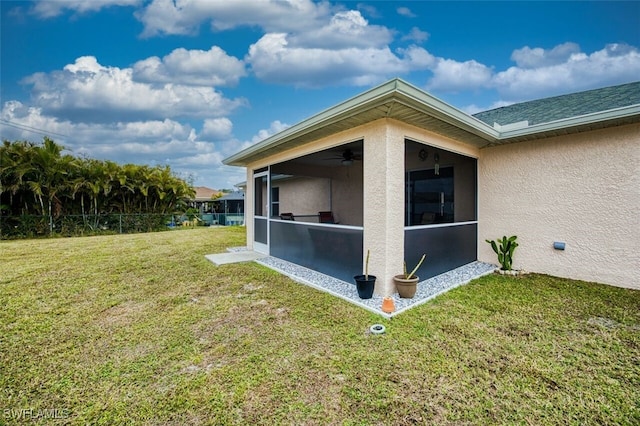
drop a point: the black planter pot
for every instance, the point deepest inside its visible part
(365, 286)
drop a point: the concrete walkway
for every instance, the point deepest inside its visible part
(234, 257)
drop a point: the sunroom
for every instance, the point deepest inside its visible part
(392, 171)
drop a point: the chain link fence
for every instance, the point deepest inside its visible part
(32, 226)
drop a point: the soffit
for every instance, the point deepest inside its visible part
(400, 101)
(394, 108)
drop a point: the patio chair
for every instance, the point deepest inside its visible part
(326, 217)
(286, 216)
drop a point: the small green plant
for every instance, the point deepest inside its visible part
(504, 249)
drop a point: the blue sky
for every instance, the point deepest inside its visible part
(189, 82)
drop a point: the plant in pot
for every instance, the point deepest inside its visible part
(365, 283)
(406, 283)
(504, 248)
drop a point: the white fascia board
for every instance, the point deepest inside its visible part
(445, 112)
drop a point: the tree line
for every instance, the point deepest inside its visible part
(38, 179)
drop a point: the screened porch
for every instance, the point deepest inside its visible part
(292, 200)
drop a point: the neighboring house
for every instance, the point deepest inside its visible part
(204, 199)
(218, 208)
(231, 208)
(405, 174)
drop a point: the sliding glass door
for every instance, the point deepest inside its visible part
(429, 197)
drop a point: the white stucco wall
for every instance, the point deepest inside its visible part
(346, 195)
(304, 196)
(581, 189)
(384, 204)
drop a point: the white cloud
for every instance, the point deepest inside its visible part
(275, 127)
(86, 90)
(121, 139)
(417, 35)
(345, 29)
(152, 142)
(615, 64)
(28, 123)
(418, 58)
(307, 23)
(405, 11)
(191, 67)
(50, 9)
(473, 108)
(538, 72)
(142, 142)
(186, 16)
(274, 61)
(450, 75)
(369, 10)
(538, 57)
(217, 128)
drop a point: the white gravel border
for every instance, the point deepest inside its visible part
(427, 289)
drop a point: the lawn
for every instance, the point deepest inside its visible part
(142, 328)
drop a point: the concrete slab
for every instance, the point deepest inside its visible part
(234, 257)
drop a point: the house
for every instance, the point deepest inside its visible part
(217, 207)
(231, 208)
(203, 200)
(403, 173)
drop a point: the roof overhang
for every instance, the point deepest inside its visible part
(599, 120)
(401, 101)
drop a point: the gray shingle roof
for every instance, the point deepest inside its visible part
(564, 106)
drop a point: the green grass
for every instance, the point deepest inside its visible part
(142, 328)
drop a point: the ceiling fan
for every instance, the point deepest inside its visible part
(347, 157)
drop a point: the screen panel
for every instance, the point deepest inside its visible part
(446, 247)
(331, 250)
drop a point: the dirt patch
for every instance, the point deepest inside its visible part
(604, 322)
(122, 314)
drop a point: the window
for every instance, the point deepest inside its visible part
(275, 201)
(260, 195)
(429, 197)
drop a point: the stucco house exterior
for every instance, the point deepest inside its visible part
(403, 173)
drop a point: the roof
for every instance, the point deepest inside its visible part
(399, 100)
(564, 106)
(205, 194)
(232, 196)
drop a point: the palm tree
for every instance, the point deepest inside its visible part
(39, 178)
(15, 166)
